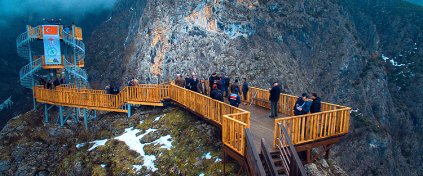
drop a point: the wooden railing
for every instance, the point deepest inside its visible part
(233, 120)
(287, 153)
(260, 97)
(332, 121)
(312, 127)
(69, 95)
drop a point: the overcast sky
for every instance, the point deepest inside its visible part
(26, 9)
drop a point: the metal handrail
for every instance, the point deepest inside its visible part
(26, 71)
(23, 39)
(68, 38)
(288, 154)
(80, 73)
(78, 45)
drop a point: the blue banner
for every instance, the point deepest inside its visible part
(51, 40)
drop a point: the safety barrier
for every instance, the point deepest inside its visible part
(232, 120)
(332, 121)
(315, 126)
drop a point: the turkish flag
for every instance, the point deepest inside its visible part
(51, 30)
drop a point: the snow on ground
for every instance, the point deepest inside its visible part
(207, 155)
(392, 61)
(130, 138)
(97, 143)
(217, 160)
(202, 174)
(133, 141)
(158, 118)
(137, 167)
(80, 145)
(165, 141)
(103, 165)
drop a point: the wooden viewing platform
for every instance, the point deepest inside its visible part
(246, 131)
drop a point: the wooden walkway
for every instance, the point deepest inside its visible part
(332, 122)
(262, 125)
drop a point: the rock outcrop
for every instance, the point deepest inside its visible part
(338, 49)
(177, 143)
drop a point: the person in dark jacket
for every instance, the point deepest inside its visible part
(42, 81)
(245, 89)
(201, 87)
(49, 84)
(235, 86)
(56, 82)
(316, 105)
(188, 82)
(226, 85)
(305, 107)
(234, 99)
(275, 92)
(211, 80)
(216, 93)
(218, 82)
(194, 83)
(299, 103)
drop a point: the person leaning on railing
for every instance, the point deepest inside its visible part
(305, 107)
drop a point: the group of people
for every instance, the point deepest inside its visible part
(219, 87)
(303, 105)
(51, 83)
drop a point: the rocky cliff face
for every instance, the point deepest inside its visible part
(345, 51)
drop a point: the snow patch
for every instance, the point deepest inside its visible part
(207, 155)
(202, 174)
(103, 165)
(217, 160)
(137, 167)
(97, 143)
(165, 141)
(158, 118)
(392, 61)
(78, 146)
(354, 110)
(132, 140)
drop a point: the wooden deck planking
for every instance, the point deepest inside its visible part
(261, 124)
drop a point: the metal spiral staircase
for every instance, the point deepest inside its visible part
(26, 73)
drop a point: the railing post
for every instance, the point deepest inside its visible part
(45, 112)
(61, 116)
(85, 119)
(129, 110)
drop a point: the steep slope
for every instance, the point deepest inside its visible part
(308, 46)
